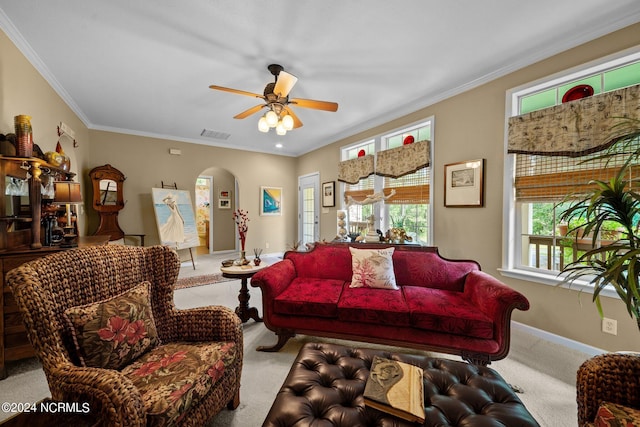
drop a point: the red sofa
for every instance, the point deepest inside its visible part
(442, 305)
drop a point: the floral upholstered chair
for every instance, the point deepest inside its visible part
(608, 390)
(103, 323)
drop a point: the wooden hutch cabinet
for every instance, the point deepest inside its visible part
(21, 182)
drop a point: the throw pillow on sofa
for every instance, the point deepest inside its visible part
(372, 268)
(113, 332)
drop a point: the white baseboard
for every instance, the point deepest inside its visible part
(557, 339)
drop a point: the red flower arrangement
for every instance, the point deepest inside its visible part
(241, 217)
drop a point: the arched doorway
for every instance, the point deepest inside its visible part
(216, 196)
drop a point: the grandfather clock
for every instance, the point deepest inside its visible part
(108, 199)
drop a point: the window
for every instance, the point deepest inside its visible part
(538, 187)
(409, 207)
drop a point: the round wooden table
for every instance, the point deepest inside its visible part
(244, 273)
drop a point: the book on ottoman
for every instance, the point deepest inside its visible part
(396, 388)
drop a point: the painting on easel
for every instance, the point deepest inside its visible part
(175, 218)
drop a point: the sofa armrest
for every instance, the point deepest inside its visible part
(274, 279)
(497, 301)
(611, 377)
(106, 390)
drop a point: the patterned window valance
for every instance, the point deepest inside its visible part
(575, 128)
(403, 160)
(352, 171)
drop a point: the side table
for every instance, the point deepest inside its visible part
(244, 273)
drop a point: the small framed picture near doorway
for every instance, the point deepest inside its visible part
(464, 184)
(328, 194)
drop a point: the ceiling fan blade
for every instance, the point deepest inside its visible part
(249, 112)
(284, 83)
(316, 105)
(296, 121)
(239, 92)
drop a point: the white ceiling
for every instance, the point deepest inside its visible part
(144, 67)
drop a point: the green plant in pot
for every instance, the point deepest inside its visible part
(615, 201)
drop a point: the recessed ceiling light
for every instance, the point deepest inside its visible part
(278, 145)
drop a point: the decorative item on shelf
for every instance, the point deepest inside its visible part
(408, 140)
(24, 135)
(68, 193)
(8, 144)
(256, 259)
(342, 225)
(66, 161)
(577, 92)
(241, 217)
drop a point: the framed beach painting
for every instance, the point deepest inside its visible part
(175, 218)
(270, 201)
(464, 184)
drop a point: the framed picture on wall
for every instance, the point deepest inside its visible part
(464, 184)
(328, 194)
(270, 201)
(224, 204)
(224, 194)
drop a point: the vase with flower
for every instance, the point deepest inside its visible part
(241, 217)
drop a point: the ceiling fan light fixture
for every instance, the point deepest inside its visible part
(280, 129)
(287, 122)
(272, 118)
(263, 126)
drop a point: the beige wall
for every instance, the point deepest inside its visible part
(146, 162)
(469, 126)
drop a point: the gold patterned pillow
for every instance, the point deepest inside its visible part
(372, 268)
(114, 332)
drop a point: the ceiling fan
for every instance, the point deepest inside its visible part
(276, 98)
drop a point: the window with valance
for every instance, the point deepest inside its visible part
(401, 166)
(556, 149)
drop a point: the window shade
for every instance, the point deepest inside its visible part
(403, 160)
(575, 128)
(353, 170)
(552, 178)
(410, 189)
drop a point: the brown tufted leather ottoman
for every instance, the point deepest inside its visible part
(325, 384)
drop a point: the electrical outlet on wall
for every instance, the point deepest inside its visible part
(610, 326)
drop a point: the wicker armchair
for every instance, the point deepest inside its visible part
(46, 287)
(611, 377)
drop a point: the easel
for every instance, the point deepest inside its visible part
(175, 187)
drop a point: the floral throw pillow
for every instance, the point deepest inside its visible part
(613, 415)
(114, 332)
(372, 268)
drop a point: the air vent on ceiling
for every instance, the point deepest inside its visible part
(208, 133)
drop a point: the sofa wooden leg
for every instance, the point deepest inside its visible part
(283, 337)
(235, 402)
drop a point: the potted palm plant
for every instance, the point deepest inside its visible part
(616, 201)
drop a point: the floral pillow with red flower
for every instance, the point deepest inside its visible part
(114, 332)
(372, 268)
(613, 415)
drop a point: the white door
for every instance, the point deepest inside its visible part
(308, 209)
